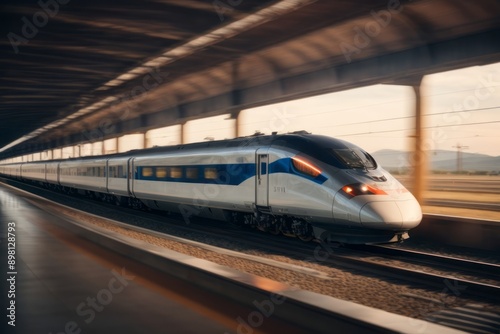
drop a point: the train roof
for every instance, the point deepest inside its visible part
(300, 141)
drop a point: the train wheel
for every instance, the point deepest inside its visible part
(303, 230)
(285, 226)
(236, 219)
(305, 238)
(275, 228)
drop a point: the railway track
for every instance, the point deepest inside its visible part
(427, 263)
(484, 269)
(463, 204)
(460, 277)
(486, 184)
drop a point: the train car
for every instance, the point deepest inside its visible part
(13, 170)
(84, 175)
(118, 186)
(52, 174)
(34, 171)
(5, 170)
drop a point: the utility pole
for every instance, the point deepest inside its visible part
(459, 156)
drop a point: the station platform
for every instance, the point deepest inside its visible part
(61, 283)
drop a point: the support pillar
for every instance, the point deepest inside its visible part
(145, 140)
(419, 158)
(235, 115)
(142, 144)
(182, 133)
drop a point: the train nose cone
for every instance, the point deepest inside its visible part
(411, 212)
(402, 215)
(381, 214)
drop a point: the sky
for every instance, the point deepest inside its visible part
(462, 107)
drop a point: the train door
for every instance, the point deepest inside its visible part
(262, 178)
(106, 174)
(130, 177)
(58, 173)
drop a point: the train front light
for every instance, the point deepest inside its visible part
(353, 190)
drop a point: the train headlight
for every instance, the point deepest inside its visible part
(357, 189)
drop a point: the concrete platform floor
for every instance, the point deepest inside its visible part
(65, 284)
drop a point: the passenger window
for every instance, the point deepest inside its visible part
(192, 173)
(161, 172)
(210, 173)
(147, 171)
(175, 172)
(121, 172)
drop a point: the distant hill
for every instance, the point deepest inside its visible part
(439, 160)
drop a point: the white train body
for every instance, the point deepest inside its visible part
(298, 184)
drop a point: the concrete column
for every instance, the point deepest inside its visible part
(235, 115)
(145, 140)
(182, 133)
(117, 144)
(142, 143)
(419, 159)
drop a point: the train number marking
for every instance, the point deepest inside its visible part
(279, 189)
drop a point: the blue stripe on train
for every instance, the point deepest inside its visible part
(227, 174)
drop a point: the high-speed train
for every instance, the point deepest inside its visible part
(299, 184)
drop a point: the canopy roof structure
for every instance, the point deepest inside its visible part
(69, 67)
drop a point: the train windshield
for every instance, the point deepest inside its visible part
(355, 158)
